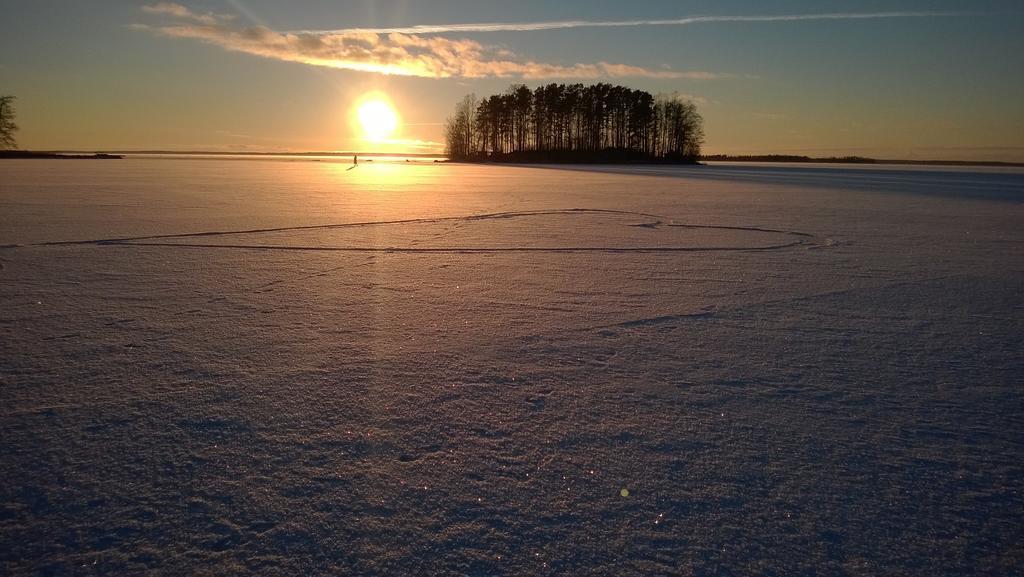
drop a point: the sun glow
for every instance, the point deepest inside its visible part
(377, 118)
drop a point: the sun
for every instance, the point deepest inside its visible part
(377, 118)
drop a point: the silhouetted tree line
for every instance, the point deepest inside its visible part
(7, 125)
(573, 122)
(788, 158)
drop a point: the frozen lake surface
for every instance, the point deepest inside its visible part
(287, 367)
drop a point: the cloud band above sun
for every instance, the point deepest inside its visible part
(418, 51)
(387, 52)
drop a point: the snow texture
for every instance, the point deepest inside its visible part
(223, 367)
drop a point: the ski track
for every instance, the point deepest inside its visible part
(155, 240)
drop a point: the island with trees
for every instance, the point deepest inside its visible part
(574, 123)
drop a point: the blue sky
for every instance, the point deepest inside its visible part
(916, 79)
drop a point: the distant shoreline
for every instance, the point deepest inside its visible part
(785, 158)
(34, 155)
(300, 154)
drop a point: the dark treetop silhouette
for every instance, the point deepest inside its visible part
(574, 123)
(7, 125)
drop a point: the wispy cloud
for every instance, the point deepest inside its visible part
(565, 24)
(183, 13)
(388, 52)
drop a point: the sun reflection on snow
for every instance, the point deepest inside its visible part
(383, 172)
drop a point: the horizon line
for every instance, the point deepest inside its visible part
(878, 160)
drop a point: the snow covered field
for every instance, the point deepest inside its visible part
(289, 368)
